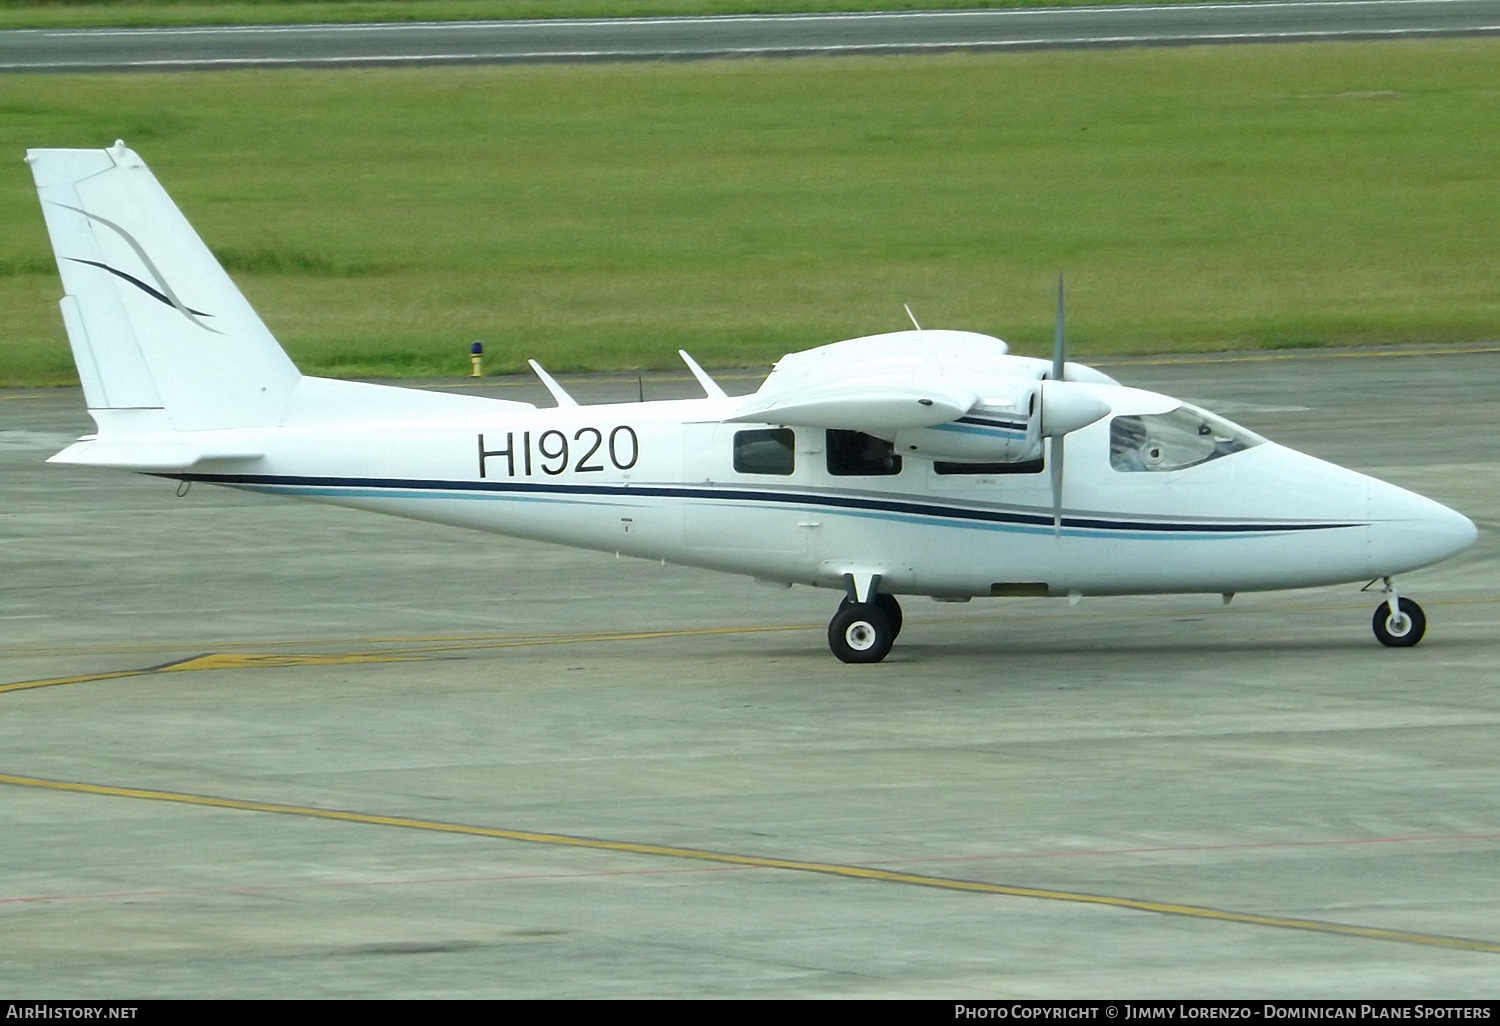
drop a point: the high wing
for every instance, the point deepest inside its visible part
(941, 394)
(876, 404)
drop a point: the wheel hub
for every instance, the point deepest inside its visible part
(860, 636)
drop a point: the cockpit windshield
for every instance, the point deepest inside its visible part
(1184, 437)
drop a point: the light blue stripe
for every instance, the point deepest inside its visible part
(304, 491)
(1047, 529)
(905, 518)
(969, 429)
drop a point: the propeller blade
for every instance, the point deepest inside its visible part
(1059, 440)
(1059, 343)
(1057, 482)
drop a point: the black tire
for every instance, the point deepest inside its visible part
(892, 610)
(860, 633)
(887, 605)
(1400, 635)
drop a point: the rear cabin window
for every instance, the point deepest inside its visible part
(856, 454)
(1017, 467)
(771, 451)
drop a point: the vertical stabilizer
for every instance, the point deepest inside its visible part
(155, 323)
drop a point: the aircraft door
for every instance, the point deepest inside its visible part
(744, 492)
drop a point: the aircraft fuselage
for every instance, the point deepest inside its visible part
(657, 480)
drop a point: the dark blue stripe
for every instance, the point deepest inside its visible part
(884, 505)
(1014, 425)
(153, 293)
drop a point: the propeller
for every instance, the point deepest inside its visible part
(1059, 372)
(1066, 407)
(1059, 337)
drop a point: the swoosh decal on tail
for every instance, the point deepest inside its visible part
(165, 292)
(153, 293)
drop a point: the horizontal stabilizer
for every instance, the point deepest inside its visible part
(145, 455)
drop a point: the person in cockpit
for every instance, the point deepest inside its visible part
(1127, 435)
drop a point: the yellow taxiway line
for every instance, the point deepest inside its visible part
(418, 649)
(82, 678)
(764, 862)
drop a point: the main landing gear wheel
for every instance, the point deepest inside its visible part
(1403, 629)
(888, 605)
(861, 632)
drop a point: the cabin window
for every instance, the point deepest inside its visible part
(1035, 466)
(856, 454)
(769, 451)
(1184, 437)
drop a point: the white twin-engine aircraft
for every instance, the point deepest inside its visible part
(914, 463)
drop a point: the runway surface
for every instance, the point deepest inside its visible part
(256, 748)
(496, 42)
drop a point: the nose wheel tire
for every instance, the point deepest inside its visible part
(1400, 630)
(860, 633)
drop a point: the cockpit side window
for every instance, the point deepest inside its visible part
(769, 451)
(856, 454)
(1180, 438)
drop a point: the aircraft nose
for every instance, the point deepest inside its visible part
(1459, 529)
(1411, 530)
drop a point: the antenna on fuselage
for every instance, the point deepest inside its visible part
(559, 393)
(708, 384)
(913, 316)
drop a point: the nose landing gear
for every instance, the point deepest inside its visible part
(1398, 622)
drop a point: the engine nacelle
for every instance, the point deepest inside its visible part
(1008, 433)
(979, 436)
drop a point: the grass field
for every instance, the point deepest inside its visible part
(76, 13)
(599, 217)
